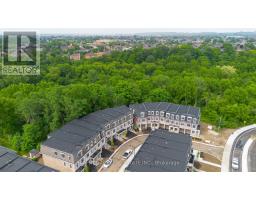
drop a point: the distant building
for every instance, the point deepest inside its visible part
(75, 56)
(11, 162)
(163, 151)
(94, 55)
(173, 117)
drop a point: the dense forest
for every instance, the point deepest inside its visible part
(222, 82)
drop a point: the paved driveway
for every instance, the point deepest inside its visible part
(118, 161)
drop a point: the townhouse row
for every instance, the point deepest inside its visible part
(81, 141)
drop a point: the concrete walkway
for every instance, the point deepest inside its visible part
(209, 163)
(214, 150)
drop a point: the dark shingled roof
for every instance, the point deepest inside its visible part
(11, 162)
(162, 151)
(188, 111)
(72, 136)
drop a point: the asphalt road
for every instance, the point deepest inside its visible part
(252, 158)
(237, 149)
(118, 161)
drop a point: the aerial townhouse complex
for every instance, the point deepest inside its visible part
(173, 117)
(81, 141)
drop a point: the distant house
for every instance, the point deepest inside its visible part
(75, 56)
(94, 55)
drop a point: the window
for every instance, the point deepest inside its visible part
(182, 117)
(142, 114)
(70, 165)
(157, 112)
(80, 154)
(168, 115)
(108, 126)
(56, 153)
(64, 164)
(189, 119)
(152, 112)
(172, 116)
(63, 155)
(149, 112)
(194, 120)
(161, 113)
(82, 160)
(177, 117)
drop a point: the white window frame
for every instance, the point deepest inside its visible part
(142, 114)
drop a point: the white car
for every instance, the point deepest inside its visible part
(127, 153)
(235, 163)
(108, 163)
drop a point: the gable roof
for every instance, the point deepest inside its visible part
(71, 137)
(162, 151)
(11, 162)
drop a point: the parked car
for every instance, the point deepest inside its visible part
(127, 153)
(235, 163)
(108, 163)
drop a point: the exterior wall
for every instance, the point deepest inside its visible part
(57, 164)
(86, 157)
(57, 154)
(176, 126)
